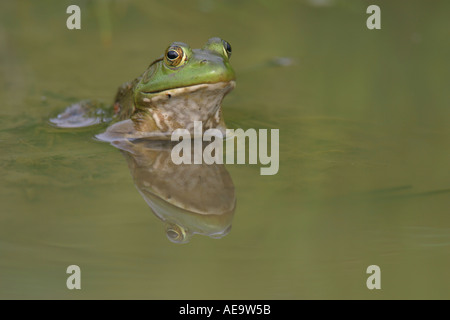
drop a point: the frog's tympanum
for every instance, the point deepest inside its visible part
(189, 199)
(182, 86)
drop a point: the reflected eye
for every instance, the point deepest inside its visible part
(175, 56)
(176, 233)
(227, 48)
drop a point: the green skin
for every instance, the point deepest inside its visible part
(208, 65)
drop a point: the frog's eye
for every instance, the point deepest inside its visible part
(174, 56)
(227, 48)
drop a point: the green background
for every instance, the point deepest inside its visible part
(364, 152)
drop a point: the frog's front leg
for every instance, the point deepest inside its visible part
(124, 101)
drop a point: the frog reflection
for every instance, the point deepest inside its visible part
(188, 198)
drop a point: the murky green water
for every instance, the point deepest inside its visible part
(364, 152)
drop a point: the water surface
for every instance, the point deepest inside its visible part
(364, 152)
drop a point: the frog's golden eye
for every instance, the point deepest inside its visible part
(174, 56)
(227, 48)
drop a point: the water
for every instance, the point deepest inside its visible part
(363, 118)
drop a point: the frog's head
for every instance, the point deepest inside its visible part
(181, 67)
(185, 85)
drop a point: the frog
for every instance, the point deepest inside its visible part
(181, 86)
(189, 199)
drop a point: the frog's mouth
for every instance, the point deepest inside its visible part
(186, 89)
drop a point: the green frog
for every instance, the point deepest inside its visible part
(182, 86)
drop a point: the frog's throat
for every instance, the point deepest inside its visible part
(180, 107)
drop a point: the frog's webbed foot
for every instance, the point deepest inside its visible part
(83, 114)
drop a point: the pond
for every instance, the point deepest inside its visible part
(363, 118)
